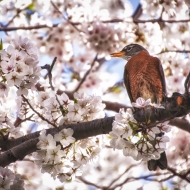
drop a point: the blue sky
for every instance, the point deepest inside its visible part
(134, 3)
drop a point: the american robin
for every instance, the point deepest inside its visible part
(144, 77)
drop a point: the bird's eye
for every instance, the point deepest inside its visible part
(129, 48)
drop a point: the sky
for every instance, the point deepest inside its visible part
(134, 3)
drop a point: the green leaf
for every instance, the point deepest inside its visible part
(31, 6)
(1, 45)
(4, 130)
(115, 89)
(75, 75)
(63, 111)
(133, 125)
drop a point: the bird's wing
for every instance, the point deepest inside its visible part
(162, 78)
(127, 85)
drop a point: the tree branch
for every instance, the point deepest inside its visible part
(176, 106)
(8, 29)
(175, 51)
(39, 115)
(19, 148)
(63, 16)
(173, 108)
(11, 20)
(49, 71)
(161, 20)
(183, 175)
(86, 74)
(181, 124)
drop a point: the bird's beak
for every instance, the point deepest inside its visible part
(118, 54)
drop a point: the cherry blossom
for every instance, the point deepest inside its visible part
(142, 145)
(10, 181)
(3, 89)
(141, 103)
(65, 137)
(46, 142)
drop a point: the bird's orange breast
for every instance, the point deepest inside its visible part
(145, 78)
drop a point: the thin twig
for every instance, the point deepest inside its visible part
(148, 177)
(49, 72)
(86, 74)
(10, 21)
(19, 121)
(182, 175)
(116, 179)
(89, 183)
(186, 84)
(175, 51)
(161, 20)
(71, 23)
(39, 115)
(5, 29)
(166, 179)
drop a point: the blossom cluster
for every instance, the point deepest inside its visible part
(177, 67)
(85, 108)
(10, 181)
(6, 124)
(18, 66)
(51, 157)
(59, 109)
(103, 39)
(178, 149)
(170, 8)
(137, 140)
(61, 156)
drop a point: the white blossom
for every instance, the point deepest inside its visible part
(141, 103)
(54, 154)
(142, 145)
(8, 180)
(65, 136)
(46, 142)
(129, 149)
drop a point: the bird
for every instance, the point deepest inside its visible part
(144, 77)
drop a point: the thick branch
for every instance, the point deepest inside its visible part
(18, 152)
(19, 148)
(181, 124)
(176, 106)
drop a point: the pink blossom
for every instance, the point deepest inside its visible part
(141, 103)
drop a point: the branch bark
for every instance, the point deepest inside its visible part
(17, 149)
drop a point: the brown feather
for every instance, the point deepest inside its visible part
(144, 77)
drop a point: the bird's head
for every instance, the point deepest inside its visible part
(129, 51)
